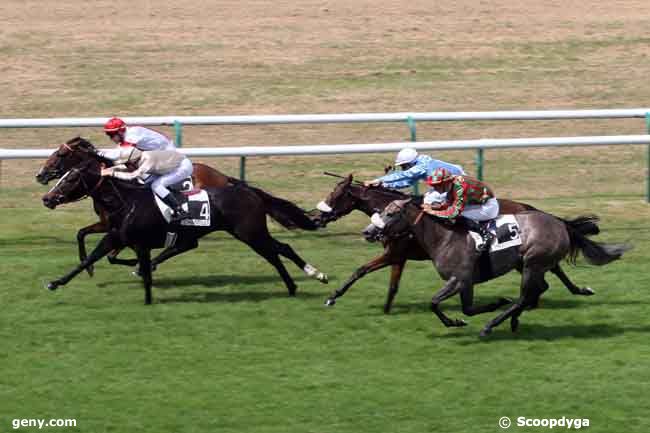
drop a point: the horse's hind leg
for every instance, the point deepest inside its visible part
(265, 248)
(585, 291)
(288, 252)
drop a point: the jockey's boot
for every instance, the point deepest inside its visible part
(482, 229)
(179, 213)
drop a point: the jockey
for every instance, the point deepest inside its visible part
(137, 136)
(466, 197)
(414, 167)
(160, 167)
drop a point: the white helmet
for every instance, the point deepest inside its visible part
(406, 156)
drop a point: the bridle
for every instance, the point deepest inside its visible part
(89, 191)
(407, 231)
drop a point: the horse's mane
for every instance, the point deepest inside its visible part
(399, 195)
(90, 149)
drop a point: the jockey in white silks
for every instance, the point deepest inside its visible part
(414, 168)
(155, 156)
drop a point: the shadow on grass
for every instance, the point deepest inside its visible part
(545, 304)
(234, 296)
(545, 332)
(206, 281)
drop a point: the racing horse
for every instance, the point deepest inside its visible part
(545, 241)
(78, 150)
(135, 221)
(349, 195)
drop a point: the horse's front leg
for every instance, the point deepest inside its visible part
(144, 257)
(395, 276)
(375, 264)
(467, 301)
(451, 287)
(98, 227)
(108, 243)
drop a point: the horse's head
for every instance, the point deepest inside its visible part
(391, 223)
(349, 195)
(338, 203)
(68, 155)
(74, 185)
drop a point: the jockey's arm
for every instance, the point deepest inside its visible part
(143, 169)
(404, 179)
(455, 208)
(112, 154)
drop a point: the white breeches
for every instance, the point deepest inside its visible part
(482, 212)
(160, 183)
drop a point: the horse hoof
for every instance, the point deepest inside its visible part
(330, 302)
(588, 291)
(136, 273)
(460, 323)
(53, 285)
(485, 332)
(91, 271)
(322, 278)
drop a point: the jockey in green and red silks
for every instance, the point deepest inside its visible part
(465, 197)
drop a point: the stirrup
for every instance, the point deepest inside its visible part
(178, 216)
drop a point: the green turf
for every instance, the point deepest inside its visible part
(224, 349)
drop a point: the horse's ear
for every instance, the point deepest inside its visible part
(348, 178)
(74, 141)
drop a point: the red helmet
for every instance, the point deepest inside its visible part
(114, 125)
(439, 175)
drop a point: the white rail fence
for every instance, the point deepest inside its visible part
(409, 118)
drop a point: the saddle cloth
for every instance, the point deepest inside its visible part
(506, 231)
(196, 202)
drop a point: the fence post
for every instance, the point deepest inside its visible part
(479, 164)
(411, 123)
(178, 129)
(242, 167)
(647, 127)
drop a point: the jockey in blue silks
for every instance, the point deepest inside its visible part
(415, 168)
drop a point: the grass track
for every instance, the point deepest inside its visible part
(224, 349)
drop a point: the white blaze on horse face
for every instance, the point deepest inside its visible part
(59, 181)
(324, 207)
(376, 220)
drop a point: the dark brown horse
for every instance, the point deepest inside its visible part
(349, 195)
(136, 222)
(546, 240)
(78, 150)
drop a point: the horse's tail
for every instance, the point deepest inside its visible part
(585, 225)
(596, 253)
(285, 212)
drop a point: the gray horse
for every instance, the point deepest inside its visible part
(545, 241)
